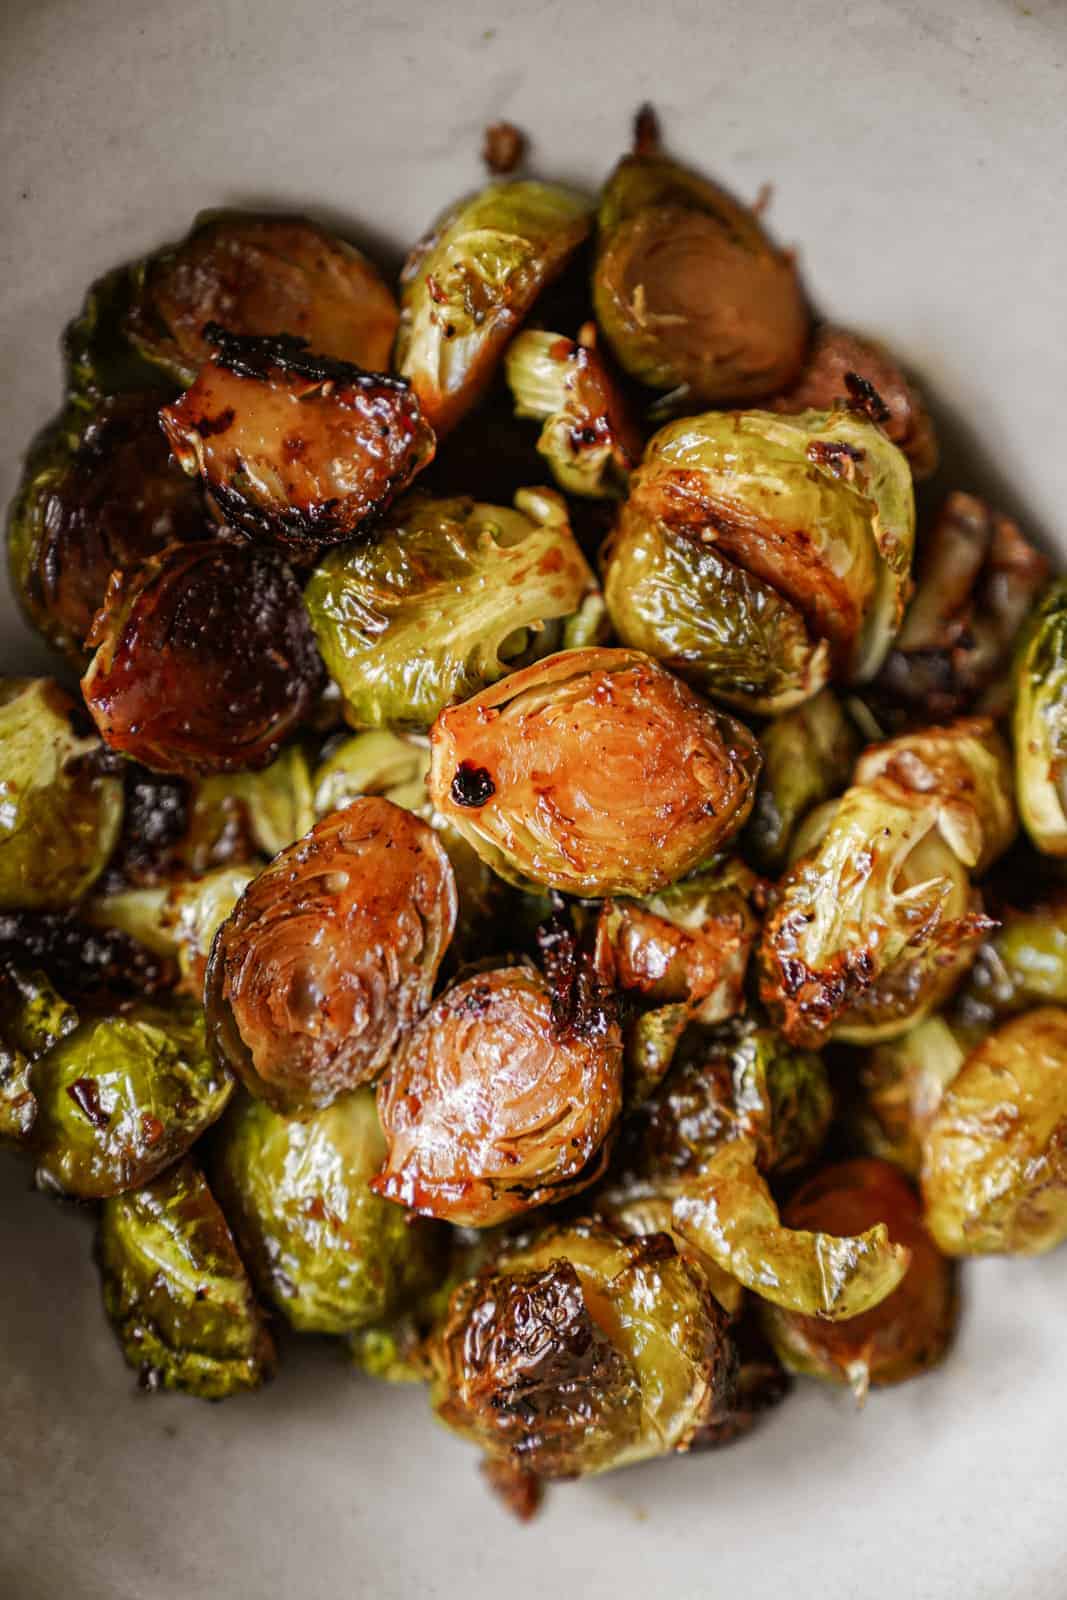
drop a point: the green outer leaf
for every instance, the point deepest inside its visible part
(1040, 723)
(808, 754)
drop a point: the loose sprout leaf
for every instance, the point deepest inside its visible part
(588, 437)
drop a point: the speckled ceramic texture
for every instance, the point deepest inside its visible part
(918, 153)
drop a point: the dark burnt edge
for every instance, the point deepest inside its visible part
(259, 356)
(80, 959)
(584, 1005)
(472, 786)
(865, 399)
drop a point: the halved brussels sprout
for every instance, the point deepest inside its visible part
(902, 1082)
(177, 1292)
(690, 291)
(808, 755)
(1022, 964)
(95, 495)
(236, 816)
(33, 1017)
(205, 660)
(727, 1213)
(123, 1097)
(262, 275)
(588, 438)
(594, 772)
(178, 919)
(59, 814)
(469, 284)
(816, 511)
(1040, 723)
(296, 448)
(910, 1330)
(580, 1350)
(450, 596)
(318, 1242)
(994, 1155)
(99, 359)
(330, 956)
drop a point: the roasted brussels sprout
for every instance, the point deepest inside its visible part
(60, 812)
(177, 1292)
(33, 1017)
(318, 1242)
(594, 772)
(99, 359)
(470, 282)
(295, 447)
(901, 1083)
(124, 1096)
(95, 495)
(579, 1351)
(178, 919)
(1040, 724)
(236, 816)
(330, 955)
(450, 596)
(762, 1383)
(204, 660)
(588, 439)
(690, 291)
(994, 1168)
(1022, 964)
(910, 1330)
(259, 275)
(808, 755)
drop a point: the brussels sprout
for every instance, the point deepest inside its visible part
(33, 1017)
(1040, 724)
(994, 1170)
(594, 772)
(469, 284)
(690, 291)
(178, 919)
(810, 520)
(124, 1096)
(259, 275)
(59, 815)
(588, 439)
(177, 1292)
(330, 955)
(236, 816)
(451, 595)
(318, 1243)
(762, 1383)
(808, 754)
(841, 366)
(205, 660)
(580, 1350)
(95, 495)
(1022, 964)
(99, 359)
(902, 1082)
(727, 1213)
(295, 447)
(910, 1330)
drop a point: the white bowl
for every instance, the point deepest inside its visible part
(918, 155)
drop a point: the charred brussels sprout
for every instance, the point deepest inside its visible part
(124, 1096)
(319, 1244)
(471, 282)
(588, 439)
(177, 1292)
(33, 1017)
(99, 358)
(808, 755)
(902, 1082)
(690, 291)
(59, 815)
(994, 1168)
(1040, 725)
(580, 1351)
(911, 1329)
(205, 660)
(1022, 964)
(330, 955)
(178, 919)
(450, 596)
(259, 275)
(594, 772)
(293, 447)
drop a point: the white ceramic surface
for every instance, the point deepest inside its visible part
(919, 156)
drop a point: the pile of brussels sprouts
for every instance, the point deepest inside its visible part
(577, 952)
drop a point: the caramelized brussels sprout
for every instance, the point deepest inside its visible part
(1040, 724)
(60, 815)
(690, 291)
(808, 755)
(451, 595)
(330, 955)
(594, 772)
(836, 359)
(178, 919)
(259, 275)
(236, 816)
(33, 1017)
(99, 359)
(471, 281)
(295, 447)
(727, 1213)
(588, 439)
(205, 660)
(1022, 964)
(994, 1170)
(318, 1242)
(122, 1097)
(177, 1292)
(910, 1330)
(580, 1350)
(902, 1081)
(95, 495)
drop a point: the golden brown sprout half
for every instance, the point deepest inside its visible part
(594, 772)
(330, 955)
